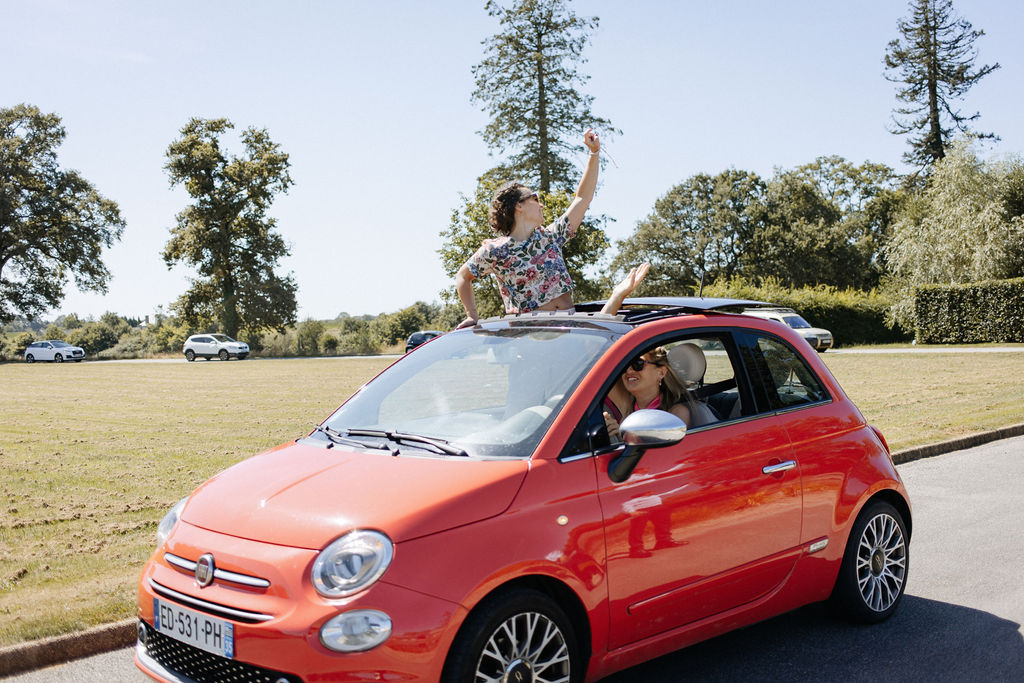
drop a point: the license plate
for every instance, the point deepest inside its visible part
(195, 628)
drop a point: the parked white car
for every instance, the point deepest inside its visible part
(55, 350)
(819, 339)
(214, 345)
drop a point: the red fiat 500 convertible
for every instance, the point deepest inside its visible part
(471, 514)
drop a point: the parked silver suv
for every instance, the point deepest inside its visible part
(819, 339)
(210, 345)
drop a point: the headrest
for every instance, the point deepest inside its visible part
(688, 362)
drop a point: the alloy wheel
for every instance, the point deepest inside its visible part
(881, 562)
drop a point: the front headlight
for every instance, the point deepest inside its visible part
(351, 563)
(168, 522)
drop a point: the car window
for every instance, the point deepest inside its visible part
(221, 338)
(490, 392)
(786, 380)
(796, 322)
(707, 364)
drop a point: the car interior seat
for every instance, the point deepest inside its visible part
(689, 364)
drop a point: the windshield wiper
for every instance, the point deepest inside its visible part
(401, 437)
(334, 436)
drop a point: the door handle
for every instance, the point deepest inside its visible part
(780, 467)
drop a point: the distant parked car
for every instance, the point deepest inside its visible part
(819, 339)
(417, 338)
(55, 350)
(210, 345)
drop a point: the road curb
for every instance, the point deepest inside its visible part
(37, 654)
(59, 649)
(931, 450)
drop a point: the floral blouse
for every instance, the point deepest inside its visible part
(529, 273)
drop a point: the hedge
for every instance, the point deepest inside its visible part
(990, 311)
(852, 316)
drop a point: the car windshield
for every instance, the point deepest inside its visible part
(796, 322)
(59, 344)
(488, 392)
(222, 337)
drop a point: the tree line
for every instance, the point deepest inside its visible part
(828, 222)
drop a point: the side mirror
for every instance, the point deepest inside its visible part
(642, 430)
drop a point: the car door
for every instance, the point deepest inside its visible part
(46, 351)
(709, 524)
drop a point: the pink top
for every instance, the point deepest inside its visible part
(656, 403)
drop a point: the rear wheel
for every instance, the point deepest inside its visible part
(874, 571)
(190, 355)
(522, 635)
(57, 358)
(29, 358)
(223, 354)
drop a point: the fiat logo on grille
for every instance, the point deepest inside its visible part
(204, 570)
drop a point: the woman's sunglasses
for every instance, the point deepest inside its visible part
(638, 364)
(530, 196)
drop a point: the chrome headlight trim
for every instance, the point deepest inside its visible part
(352, 563)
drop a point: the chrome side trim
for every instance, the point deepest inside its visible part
(239, 614)
(218, 574)
(818, 546)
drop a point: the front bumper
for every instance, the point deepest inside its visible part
(287, 646)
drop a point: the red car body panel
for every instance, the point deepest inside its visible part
(696, 542)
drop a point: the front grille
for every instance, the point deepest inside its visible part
(203, 667)
(216, 609)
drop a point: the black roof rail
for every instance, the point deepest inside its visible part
(642, 309)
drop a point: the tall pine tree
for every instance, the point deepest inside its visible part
(933, 60)
(528, 84)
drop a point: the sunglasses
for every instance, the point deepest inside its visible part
(530, 196)
(638, 364)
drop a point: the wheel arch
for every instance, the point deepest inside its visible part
(554, 589)
(893, 497)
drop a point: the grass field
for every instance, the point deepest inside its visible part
(92, 455)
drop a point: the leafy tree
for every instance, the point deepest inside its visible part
(934, 61)
(307, 337)
(700, 226)
(226, 233)
(966, 225)
(528, 84)
(469, 227)
(52, 221)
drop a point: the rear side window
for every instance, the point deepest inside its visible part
(784, 379)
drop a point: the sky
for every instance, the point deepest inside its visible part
(371, 100)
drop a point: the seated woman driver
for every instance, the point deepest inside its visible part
(647, 382)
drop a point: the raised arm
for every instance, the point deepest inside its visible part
(588, 183)
(625, 288)
(464, 287)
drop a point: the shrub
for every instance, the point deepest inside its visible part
(990, 311)
(329, 343)
(851, 315)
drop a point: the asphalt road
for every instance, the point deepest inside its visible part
(960, 619)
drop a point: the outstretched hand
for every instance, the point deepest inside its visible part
(631, 281)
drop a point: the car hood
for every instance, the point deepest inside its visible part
(814, 332)
(305, 496)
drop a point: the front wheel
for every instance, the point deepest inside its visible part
(58, 358)
(223, 354)
(874, 571)
(522, 635)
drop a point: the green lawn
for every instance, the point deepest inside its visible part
(93, 454)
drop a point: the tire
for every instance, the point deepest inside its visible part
(873, 575)
(519, 635)
(57, 358)
(29, 358)
(223, 355)
(190, 355)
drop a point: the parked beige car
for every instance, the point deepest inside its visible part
(819, 339)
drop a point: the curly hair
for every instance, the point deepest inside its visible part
(502, 215)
